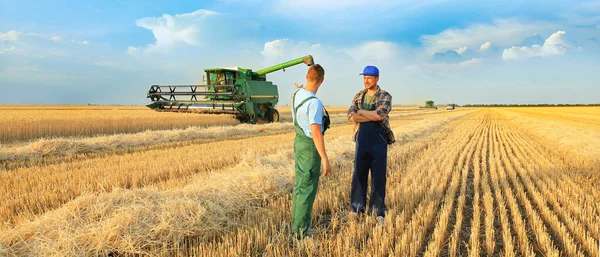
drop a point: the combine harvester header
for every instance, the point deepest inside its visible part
(241, 92)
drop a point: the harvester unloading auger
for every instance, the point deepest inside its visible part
(244, 93)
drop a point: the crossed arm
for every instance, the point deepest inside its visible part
(365, 116)
(355, 114)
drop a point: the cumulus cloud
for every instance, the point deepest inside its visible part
(555, 44)
(181, 28)
(11, 35)
(372, 52)
(389, 57)
(485, 47)
(281, 50)
(503, 33)
(56, 39)
(464, 55)
(560, 38)
(277, 48)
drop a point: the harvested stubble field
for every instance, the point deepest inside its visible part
(26, 123)
(477, 182)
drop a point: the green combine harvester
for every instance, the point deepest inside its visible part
(244, 93)
(429, 104)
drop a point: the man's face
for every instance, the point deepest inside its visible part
(370, 81)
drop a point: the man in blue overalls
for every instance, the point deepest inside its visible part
(309, 150)
(370, 109)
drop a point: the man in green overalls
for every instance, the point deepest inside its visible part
(309, 150)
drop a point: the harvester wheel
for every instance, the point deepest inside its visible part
(273, 115)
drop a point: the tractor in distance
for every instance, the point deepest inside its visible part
(243, 93)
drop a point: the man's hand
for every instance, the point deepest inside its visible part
(326, 165)
(295, 88)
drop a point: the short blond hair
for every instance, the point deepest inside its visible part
(315, 73)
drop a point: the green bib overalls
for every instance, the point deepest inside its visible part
(308, 170)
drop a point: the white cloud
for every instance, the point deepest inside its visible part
(555, 44)
(280, 50)
(11, 35)
(504, 33)
(182, 28)
(375, 52)
(463, 50)
(521, 52)
(84, 42)
(487, 46)
(56, 39)
(559, 38)
(277, 48)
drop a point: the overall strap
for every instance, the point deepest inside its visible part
(295, 109)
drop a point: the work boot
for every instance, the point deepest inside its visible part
(380, 220)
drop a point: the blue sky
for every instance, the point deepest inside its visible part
(110, 52)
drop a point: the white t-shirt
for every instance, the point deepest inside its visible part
(309, 113)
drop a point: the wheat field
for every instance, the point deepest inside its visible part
(468, 182)
(27, 123)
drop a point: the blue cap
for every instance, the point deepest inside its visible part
(370, 71)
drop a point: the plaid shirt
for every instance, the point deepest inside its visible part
(383, 105)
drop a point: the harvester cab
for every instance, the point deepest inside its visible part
(244, 93)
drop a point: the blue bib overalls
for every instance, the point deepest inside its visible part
(370, 154)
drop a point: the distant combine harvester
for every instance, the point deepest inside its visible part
(429, 104)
